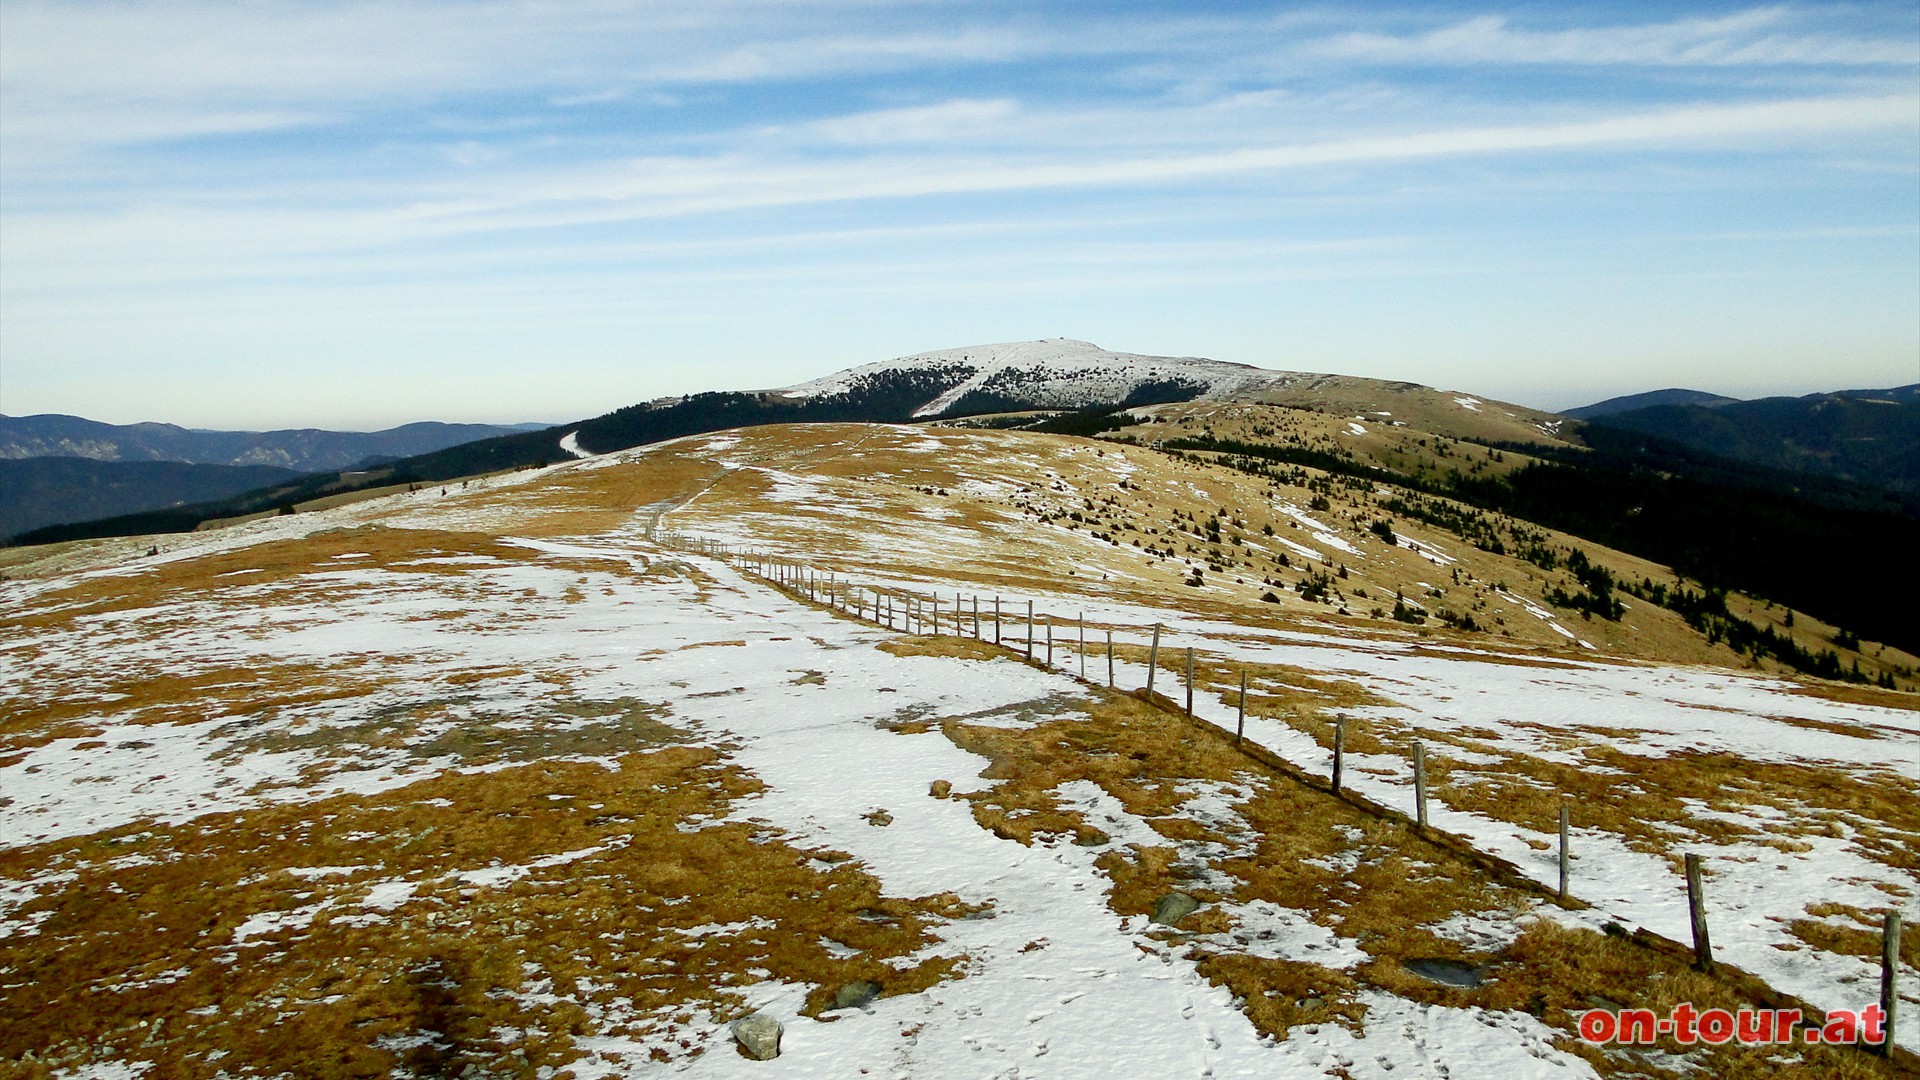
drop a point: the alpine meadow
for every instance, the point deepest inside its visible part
(858, 539)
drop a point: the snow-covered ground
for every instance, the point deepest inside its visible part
(1099, 999)
(498, 625)
(1516, 707)
(1772, 854)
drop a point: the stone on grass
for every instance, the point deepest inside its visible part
(855, 994)
(1171, 908)
(759, 1035)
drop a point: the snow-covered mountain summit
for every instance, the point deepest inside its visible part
(1058, 373)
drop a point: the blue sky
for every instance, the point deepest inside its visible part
(358, 214)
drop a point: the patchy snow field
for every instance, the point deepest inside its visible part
(497, 778)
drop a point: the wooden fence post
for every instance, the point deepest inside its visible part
(1029, 629)
(1109, 659)
(1697, 915)
(1420, 783)
(1240, 727)
(936, 614)
(1889, 964)
(1563, 851)
(996, 620)
(976, 617)
(1083, 646)
(1189, 681)
(1049, 619)
(1339, 749)
(1153, 660)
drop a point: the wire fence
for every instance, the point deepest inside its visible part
(1026, 632)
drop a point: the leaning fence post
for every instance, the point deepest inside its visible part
(1189, 681)
(1420, 783)
(1240, 727)
(1339, 749)
(1153, 660)
(1697, 915)
(1563, 851)
(1889, 964)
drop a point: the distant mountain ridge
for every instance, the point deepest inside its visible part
(300, 450)
(1866, 436)
(1058, 374)
(44, 491)
(1673, 396)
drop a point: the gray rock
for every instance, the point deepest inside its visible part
(1091, 837)
(855, 994)
(1447, 972)
(1171, 908)
(759, 1035)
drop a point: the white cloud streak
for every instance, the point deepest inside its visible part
(158, 244)
(677, 186)
(1760, 37)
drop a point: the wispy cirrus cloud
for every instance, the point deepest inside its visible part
(1759, 37)
(660, 187)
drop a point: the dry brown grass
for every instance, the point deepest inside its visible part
(1852, 931)
(1070, 503)
(214, 693)
(945, 645)
(137, 957)
(211, 577)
